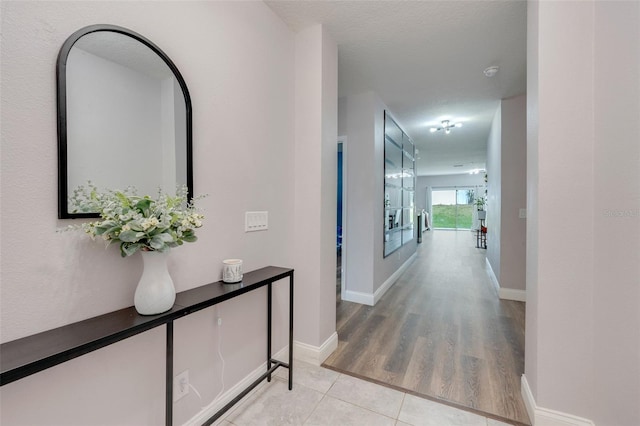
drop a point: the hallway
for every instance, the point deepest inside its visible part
(440, 332)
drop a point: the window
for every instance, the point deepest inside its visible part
(452, 208)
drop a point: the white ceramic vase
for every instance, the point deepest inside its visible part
(155, 293)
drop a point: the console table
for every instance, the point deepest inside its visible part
(481, 236)
(29, 355)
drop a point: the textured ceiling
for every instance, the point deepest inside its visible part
(425, 59)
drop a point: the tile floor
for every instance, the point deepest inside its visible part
(324, 397)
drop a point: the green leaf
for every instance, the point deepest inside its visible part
(127, 249)
(135, 226)
(190, 238)
(123, 198)
(112, 230)
(156, 242)
(130, 236)
(98, 230)
(143, 205)
(167, 238)
(104, 226)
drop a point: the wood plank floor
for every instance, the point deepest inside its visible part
(440, 332)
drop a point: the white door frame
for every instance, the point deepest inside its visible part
(343, 264)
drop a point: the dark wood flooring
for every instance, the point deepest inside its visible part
(440, 332)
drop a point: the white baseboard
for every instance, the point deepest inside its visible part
(513, 294)
(392, 279)
(358, 297)
(371, 299)
(301, 351)
(505, 293)
(208, 411)
(545, 417)
(492, 275)
(315, 354)
(527, 397)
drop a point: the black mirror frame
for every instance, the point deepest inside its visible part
(61, 79)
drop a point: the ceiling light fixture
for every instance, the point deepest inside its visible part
(446, 126)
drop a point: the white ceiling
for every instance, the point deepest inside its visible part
(425, 59)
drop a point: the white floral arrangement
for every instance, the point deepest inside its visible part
(135, 222)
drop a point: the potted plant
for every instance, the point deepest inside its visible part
(141, 223)
(480, 203)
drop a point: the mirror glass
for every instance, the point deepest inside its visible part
(124, 116)
(399, 186)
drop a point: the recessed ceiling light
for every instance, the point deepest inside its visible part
(491, 71)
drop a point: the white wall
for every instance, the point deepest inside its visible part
(238, 61)
(563, 310)
(316, 180)
(494, 199)
(513, 194)
(531, 334)
(616, 315)
(583, 322)
(355, 118)
(328, 197)
(506, 193)
(361, 119)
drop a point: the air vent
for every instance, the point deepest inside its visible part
(458, 165)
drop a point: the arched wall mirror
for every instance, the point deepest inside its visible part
(124, 116)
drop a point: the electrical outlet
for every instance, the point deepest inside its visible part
(180, 385)
(522, 213)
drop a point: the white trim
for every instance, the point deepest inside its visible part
(492, 275)
(513, 294)
(358, 297)
(392, 279)
(215, 405)
(504, 293)
(527, 397)
(282, 354)
(343, 263)
(372, 299)
(302, 352)
(545, 417)
(315, 354)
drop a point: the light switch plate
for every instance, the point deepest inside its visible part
(522, 214)
(256, 221)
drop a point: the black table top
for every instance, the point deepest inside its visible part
(22, 357)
